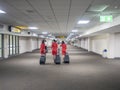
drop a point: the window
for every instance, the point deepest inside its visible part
(10, 44)
(17, 45)
(1, 45)
(13, 45)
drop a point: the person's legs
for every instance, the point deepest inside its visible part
(53, 53)
(63, 55)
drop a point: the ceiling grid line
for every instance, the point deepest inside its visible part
(70, 4)
(18, 9)
(38, 12)
(54, 14)
(15, 18)
(89, 5)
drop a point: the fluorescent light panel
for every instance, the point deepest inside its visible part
(44, 32)
(32, 27)
(74, 30)
(1, 11)
(42, 36)
(83, 21)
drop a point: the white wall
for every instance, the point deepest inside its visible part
(86, 43)
(6, 46)
(39, 42)
(99, 43)
(95, 43)
(34, 43)
(23, 44)
(28, 44)
(117, 45)
(82, 43)
(79, 43)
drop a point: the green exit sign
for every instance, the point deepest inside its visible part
(106, 18)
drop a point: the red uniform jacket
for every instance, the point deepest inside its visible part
(54, 46)
(64, 47)
(42, 48)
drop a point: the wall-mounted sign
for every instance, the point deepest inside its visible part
(108, 18)
(62, 37)
(16, 30)
(21, 27)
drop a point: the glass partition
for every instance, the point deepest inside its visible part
(13, 45)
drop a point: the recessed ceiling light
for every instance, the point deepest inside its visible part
(44, 32)
(42, 36)
(1, 11)
(83, 21)
(116, 6)
(74, 30)
(32, 28)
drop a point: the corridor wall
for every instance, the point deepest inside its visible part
(117, 45)
(99, 43)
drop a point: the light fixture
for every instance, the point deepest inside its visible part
(50, 35)
(75, 30)
(44, 32)
(83, 21)
(41, 36)
(1, 11)
(32, 28)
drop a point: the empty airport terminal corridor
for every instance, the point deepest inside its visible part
(86, 71)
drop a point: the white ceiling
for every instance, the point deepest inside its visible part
(56, 16)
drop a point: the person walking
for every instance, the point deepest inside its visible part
(54, 48)
(42, 48)
(64, 47)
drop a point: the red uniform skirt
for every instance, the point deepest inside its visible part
(54, 52)
(42, 52)
(63, 52)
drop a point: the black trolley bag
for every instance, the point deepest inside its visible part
(42, 59)
(66, 58)
(57, 59)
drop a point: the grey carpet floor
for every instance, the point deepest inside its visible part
(86, 71)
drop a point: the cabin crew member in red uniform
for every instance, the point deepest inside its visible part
(42, 48)
(64, 47)
(54, 48)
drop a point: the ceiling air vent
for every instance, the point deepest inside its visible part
(97, 8)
